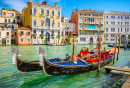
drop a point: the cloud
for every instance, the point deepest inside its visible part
(16, 4)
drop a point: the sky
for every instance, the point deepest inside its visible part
(68, 5)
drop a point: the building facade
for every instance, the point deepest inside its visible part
(116, 23)
(23, 36)
(8, 23)
(88, 23)
(45, 21)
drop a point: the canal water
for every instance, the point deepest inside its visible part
(10, 77)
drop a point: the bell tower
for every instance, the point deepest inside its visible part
(29, 0)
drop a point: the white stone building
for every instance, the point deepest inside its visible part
(116, 23)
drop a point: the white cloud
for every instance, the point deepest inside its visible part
(16, 4)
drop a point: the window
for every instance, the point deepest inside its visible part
(18, 17)
(101, 27)
(47, 12)
(118, 23)
(96, 33)
(34, 31)
(121, 23)
(85, 20)
(80, 19)
(52, 13)
(85, 26)
(112, 35)
(121, 29)
(97, 15)
(59, 14)
(127, 29)
(118, 29)
(15, 33)
(83, 39)
(21, 33)
(106, 35)
(106, 22)
(42, 32)
(113, 22)
(5, 20)
(13, 21)
(7, 33)
(118, 17)
(85, 32)
(93, 33)
(34, 22)
(0, 33)
(42, 11)
(126, 23)
(12, 14)
(121, 17)
(101, 33)
(89, 14)
(101, 20)
(106, 16)
(28, 33)
(80, 26)
(85, 14)
(112, 16)
(80, 14)
(4, 13)
(0, 41)
(52, 24)
(9, 20)
(28, 40)
(89, 32)
(7, 41)
(21, 39)
(12, 26)
(80, 32)
(93, 14)
(58, 24)
(112, 29)
(30, 11)
(35, 11)
(97, 26)
(96, 20)
(126, 17)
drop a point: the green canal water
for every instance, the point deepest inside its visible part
(10, 77)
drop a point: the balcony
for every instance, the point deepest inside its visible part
(80, 21)
(45, 28)
(7, 36)
(91, 22)
(80, 28)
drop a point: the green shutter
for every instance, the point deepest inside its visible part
(97, 33)
(9, 20)
(93, 33)
(6, 20)
(89, 33)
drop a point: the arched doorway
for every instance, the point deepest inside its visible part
(47, 38)
(129, 36)
(48, 23)
(91, 39)
(3, 41)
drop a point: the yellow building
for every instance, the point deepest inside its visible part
(45, 20)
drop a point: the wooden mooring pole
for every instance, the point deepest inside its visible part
(124, 44)
(118, 48)
(115, 50)
(99, 42)
(73, 53)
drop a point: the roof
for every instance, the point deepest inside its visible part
(10, 10)
(118, 13)
(24, 28)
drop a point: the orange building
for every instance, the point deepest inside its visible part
(23, 36)
(88, 23)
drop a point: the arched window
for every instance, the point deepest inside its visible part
(12, 26)
(47, 22)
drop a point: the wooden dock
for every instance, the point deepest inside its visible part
(126, 83)
(109, 68)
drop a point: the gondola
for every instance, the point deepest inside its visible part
(57, 44)
(24, 66)
(60, 67)
(113, 46)
(28, 66)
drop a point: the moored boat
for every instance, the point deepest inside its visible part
(117, 46)
(61, 67)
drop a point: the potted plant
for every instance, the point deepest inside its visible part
(34, 35)
(42, 35)
(52, 34)
(21, 34)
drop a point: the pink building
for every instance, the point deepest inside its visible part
(23, 36)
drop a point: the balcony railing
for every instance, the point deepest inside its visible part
(44, 27)
(91, 22)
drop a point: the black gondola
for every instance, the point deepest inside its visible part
(25, 66)
(60, 67)
(113, 46)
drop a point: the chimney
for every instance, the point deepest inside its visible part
(76, 10)
(90, 8)
(29, 0)
(44, 3)
(38, 2)
(55, 4)
(73, 11)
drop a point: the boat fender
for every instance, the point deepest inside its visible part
(40, 60)
(13, 58)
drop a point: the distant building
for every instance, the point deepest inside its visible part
(88, 23)
(67, 28)
(23, 36)
(44, 20)
(8, 23)
(19, 20)
(116, 23)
